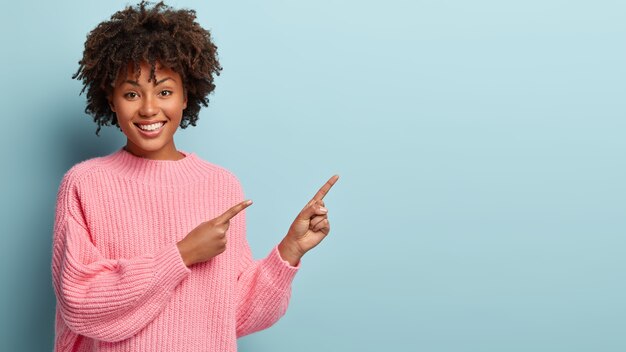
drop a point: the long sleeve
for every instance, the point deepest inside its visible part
(107, 299)
(120, 282)
(263, 286)
(264, 290)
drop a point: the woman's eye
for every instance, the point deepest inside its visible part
(165, 93)
(130, 95)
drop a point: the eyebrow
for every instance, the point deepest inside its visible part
(135, 83)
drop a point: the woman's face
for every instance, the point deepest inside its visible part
(149, 112)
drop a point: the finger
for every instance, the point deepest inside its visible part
(325, 188)
(230, 213)
(321, 226)
(317, 219)
(312, 209)
(313, 201)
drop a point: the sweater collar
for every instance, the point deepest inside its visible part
(170, 172)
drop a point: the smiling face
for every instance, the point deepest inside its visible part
(149, 112)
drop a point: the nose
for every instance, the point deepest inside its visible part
(149, 107)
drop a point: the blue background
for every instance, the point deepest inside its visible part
(480, 144)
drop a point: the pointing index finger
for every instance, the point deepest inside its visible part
(325, 188)
(236, 209)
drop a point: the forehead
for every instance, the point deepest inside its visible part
(142, 73)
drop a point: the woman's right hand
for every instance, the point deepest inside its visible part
(208, 239)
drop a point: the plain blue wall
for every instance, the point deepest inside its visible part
(481, 146)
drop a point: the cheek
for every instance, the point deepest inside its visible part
(174, 110)
(124, 112)
(124, 125)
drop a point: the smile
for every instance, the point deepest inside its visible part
(151, 127)
(151, 130)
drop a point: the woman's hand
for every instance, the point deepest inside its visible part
(309, 228)
(208, 239)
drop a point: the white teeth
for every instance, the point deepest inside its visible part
(151, 127)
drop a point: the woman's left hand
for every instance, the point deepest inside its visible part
(309, 228)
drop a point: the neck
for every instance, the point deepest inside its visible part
(168, 152)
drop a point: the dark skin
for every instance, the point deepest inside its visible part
(309, 228)
(139, 101)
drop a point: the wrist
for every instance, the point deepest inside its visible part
(289, 252)
(184, 254)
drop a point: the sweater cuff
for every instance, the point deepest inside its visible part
(279, 271)
(172, 269)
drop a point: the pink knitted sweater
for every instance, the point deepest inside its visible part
(119, 279)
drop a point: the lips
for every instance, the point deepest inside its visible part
(150, 126)
(150, 129)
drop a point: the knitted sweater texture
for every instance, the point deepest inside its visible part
(119, 279)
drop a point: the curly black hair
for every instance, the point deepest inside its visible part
(148, 33)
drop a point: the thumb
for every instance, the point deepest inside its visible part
(313, 208)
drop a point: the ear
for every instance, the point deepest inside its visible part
(185, 100)
(111, 105)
